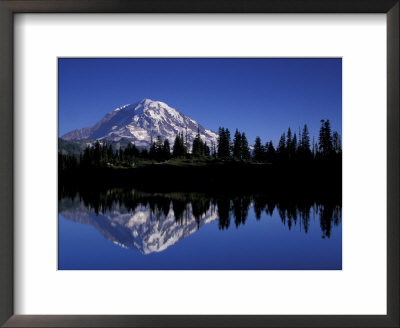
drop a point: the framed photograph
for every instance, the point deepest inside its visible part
(199, 164)
(152, 179)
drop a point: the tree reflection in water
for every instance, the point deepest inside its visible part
(226, 207)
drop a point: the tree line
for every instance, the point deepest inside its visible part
(299, 147)
(291, 147)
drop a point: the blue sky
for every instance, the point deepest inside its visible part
(259, 96)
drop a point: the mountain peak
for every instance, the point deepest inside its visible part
(146, 101)
(141, 122)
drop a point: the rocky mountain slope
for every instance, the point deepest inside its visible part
(142, 122)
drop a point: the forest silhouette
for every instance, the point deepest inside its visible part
(296, 166)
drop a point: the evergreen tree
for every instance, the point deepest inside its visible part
(237, 146)
(121, 156)
(336, 143)
(166, 150)
(175, 147)
(299, 140)
(245, 151)
(228, 143)
(314, 148)
(96, 154)
(159, 144)
(289, 142)
(325, 139)
(116, 157)
(159, 147)
(304, 145)
(103, 155)
(305, 140)
(110, 154)
(206, 150)
(293, 149)
(179, 149)
(281, 150)
(224, 141)
(213, 150)
(270, 152)
(88, 157)
(186, 139)
(259, 150)
(128, 155)
(198, 147)
(153, 151)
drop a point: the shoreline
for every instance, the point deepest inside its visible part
(288, 179)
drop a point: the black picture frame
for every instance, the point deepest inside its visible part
(10, 7)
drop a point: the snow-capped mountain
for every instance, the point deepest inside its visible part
(141, 229)
(141, 122)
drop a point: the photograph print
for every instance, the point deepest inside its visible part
(199, 163)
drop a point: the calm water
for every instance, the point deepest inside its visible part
(127, 229)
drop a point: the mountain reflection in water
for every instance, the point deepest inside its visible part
(153, 222)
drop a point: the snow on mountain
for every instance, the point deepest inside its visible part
(142, 122)
(141, 229)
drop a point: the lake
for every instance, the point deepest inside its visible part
(126, 229)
